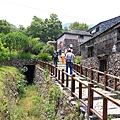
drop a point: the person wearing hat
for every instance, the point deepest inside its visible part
(69, 60)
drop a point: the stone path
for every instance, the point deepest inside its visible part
(113, 110)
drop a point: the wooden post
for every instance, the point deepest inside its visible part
(66, 80)
(91, 74)
(115, 84)
(81, 72)
(62, 77)
(56, 71)
(104, 109)
(72, 85)
(86, 70)
(53, 70)
(77, 68)
(58, 74)
(80, 90)
(105, 80)
(90, 99)
(97, 77)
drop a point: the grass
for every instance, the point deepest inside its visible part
(27, 103)
(3, 71)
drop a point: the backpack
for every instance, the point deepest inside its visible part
(55, 56)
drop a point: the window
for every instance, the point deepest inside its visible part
(97, 29)
(90, 51)
(103, 65)
(81, 37)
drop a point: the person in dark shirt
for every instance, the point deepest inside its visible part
(55, 58)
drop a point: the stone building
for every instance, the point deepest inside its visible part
(72, 38)
(102, 51)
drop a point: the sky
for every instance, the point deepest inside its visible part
(21, 12)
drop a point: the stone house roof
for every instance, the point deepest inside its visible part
(115, 25)
(76, 32)
(104, 25)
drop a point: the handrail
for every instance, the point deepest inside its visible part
(60, 75)
(97, 76)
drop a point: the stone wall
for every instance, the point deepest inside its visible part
(74, 42)
(94, 64)
(102, 50)
(102, 44)
(19, 63)
(113, 67)
(114, 64)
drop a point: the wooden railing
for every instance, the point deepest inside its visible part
(99, 77)
(69, 81)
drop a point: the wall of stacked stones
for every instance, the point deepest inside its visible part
(104, 43)
(19, 63)
(114, 64)
(75, 43)
(113, 67)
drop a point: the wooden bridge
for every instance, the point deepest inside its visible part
(98, 98)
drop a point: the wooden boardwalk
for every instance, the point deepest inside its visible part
(113, 110)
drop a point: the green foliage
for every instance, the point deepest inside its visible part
(4, 52)
(35, 46)
(78, 26)
(5, 27)
(45, 57)
(48, 49)
(54, 27)
(21, 84)
(66, 29)
(1, 35)
(26, 55)
(15, 40)
(110, 117)
(48, 29)
(46, 72)
(16, 113)
(10, 93)
(77, 59)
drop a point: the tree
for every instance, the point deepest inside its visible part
(66, 29)
(78, 26)
(48, 29)
(54, 27)
(5, 27)
(36, 28)
(15, 41)
(21, 29)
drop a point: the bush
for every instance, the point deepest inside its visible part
(48, 49)
(77, 59)
(45, 57)
(4, 52)
(26, 56)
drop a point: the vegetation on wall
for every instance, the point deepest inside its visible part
(77, 59)
(12, 88)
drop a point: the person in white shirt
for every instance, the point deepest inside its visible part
(69, 60)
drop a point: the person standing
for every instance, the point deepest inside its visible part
(63, 57)
(55, 58)
(69, 60)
